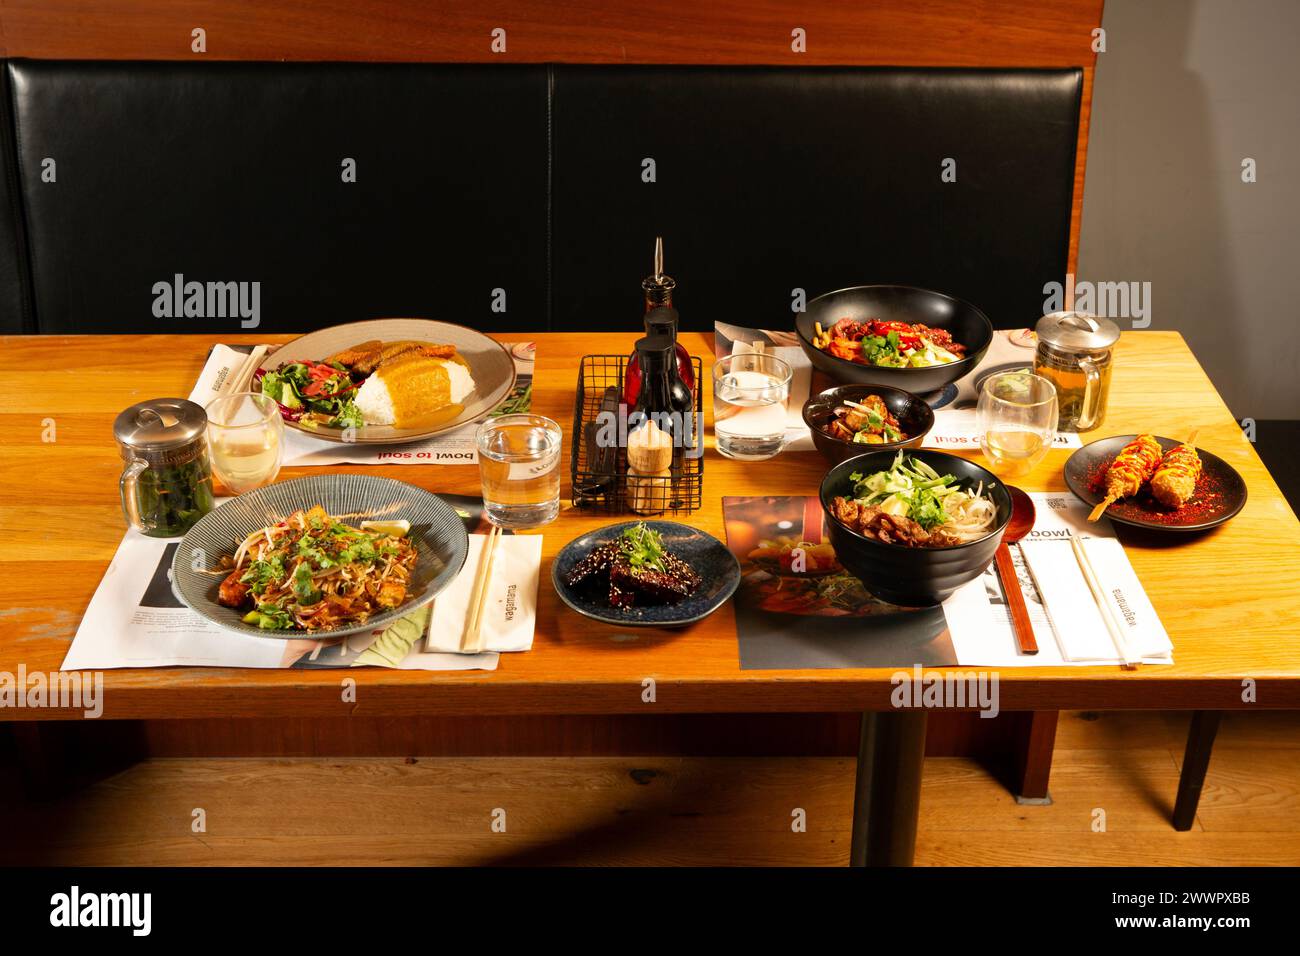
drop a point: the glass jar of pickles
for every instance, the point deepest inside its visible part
(166, 485)
(1075, 354)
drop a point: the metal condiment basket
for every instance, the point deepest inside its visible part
(601, 483)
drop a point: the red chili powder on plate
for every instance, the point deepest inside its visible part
(1206, 503)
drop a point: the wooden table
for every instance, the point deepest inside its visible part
(1230, 599)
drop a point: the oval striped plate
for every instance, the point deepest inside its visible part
(437, 532)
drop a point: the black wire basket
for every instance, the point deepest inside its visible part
(600, 471)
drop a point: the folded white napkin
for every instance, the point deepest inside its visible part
(1076, 617)
(510, 612)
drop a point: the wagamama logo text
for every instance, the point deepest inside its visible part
(208, 300)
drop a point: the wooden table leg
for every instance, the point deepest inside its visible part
(1035, 744)
(1196, 760)
(891, 752)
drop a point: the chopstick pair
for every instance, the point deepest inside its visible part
(472, 641)
(241, 378)
(1130, 658)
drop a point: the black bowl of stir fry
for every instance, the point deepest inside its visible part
(851, 419)
(938, 338)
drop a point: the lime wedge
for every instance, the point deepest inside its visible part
(397, 528)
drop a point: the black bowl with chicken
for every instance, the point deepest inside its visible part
(830, 420)
(968, 327)
(902, 573)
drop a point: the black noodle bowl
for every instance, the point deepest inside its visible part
(913, 577)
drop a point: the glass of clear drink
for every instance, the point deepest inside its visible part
(749, 396)
(245, 434)
(518, 460)
(1016, 419)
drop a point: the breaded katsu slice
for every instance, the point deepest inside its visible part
(368, 356)
(1174, 482)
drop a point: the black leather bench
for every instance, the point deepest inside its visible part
(479, 184)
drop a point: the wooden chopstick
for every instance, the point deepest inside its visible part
(1130, 659)
(1020, 622)
(241, 377)
(472, 642)
(231, 385)
(255, 358)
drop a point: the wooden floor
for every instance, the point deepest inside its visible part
(606, 810)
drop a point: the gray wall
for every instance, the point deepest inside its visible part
(1185, 90)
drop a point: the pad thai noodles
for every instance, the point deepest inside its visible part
(312, 572)
(913, 505)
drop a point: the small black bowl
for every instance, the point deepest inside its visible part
(913, 577)
(915, 418)
(896, 303)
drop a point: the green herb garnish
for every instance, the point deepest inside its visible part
(262, 574)
(304, 588)
(913, 482)
(926, 509)
(643, 547)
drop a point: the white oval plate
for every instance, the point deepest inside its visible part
(489, 362)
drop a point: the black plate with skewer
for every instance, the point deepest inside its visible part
(1220, 491)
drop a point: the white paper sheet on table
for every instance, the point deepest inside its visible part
(453, 448)
(134, 620)
(979, 621)
(958, 428)
(954, 423)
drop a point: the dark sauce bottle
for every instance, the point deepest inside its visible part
(660, 319)
(661, 394)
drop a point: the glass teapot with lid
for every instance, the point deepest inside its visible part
(166, 485)
(1075, 352)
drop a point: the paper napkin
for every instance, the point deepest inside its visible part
(510, 612)
(1076, 617)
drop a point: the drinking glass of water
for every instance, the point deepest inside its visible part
(518, 460)
(749, 395)
(245, 433)
(1016, 419)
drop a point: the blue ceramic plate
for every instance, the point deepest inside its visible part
(716, 566)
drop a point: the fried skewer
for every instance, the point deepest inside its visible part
(1131, 469)
(1174, 482)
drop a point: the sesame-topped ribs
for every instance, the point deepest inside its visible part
(635, 571)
